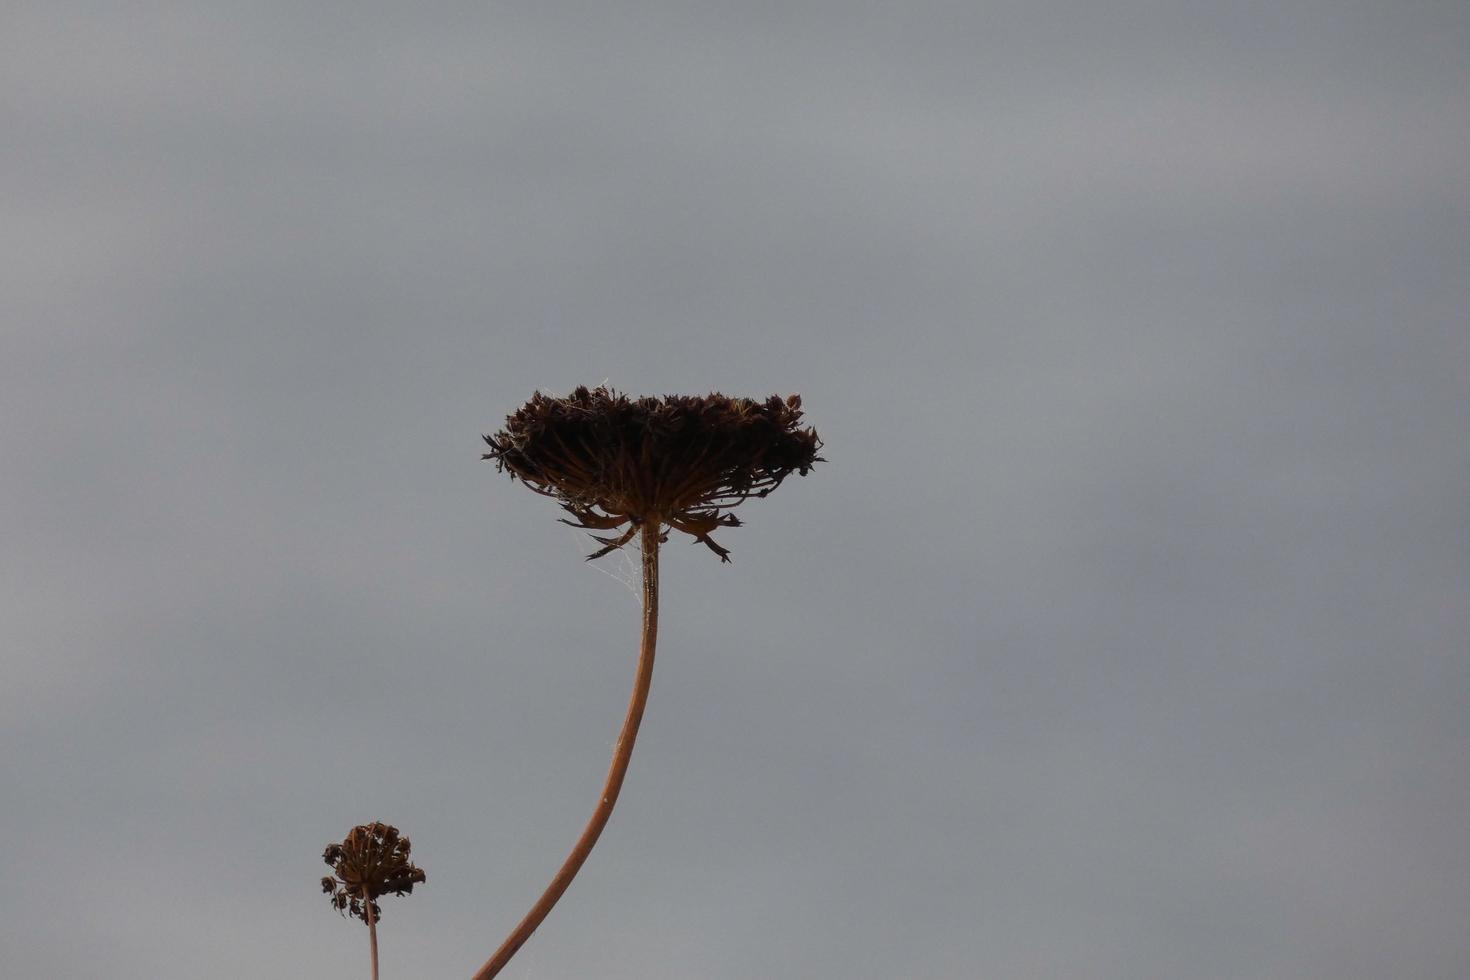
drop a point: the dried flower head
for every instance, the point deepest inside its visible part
(680, 460)
(369, 863)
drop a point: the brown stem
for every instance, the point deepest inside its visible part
(619, 768)
(372, 922)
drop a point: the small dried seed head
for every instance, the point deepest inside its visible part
(680, 460)
(371, 861)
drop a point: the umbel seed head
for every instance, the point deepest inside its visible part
(370, 862)
(680, 460)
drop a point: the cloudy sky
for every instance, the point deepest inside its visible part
(1122, 636)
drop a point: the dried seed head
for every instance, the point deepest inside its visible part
(679, 460)
(369, 863)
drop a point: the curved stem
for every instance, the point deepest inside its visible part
(622, 753)
(372, 922)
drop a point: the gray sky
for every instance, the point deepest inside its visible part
(1123, 636)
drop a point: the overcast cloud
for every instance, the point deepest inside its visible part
(1122, 636)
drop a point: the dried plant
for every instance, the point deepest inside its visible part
(611, 461)
(371, 861)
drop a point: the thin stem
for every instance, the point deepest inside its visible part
(619, 768)
(372, 922)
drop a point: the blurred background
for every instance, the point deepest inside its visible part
(1123, 634)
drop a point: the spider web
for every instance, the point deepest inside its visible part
(620, 565)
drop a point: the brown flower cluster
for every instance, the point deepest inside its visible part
(680, 460)
(370, 862)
